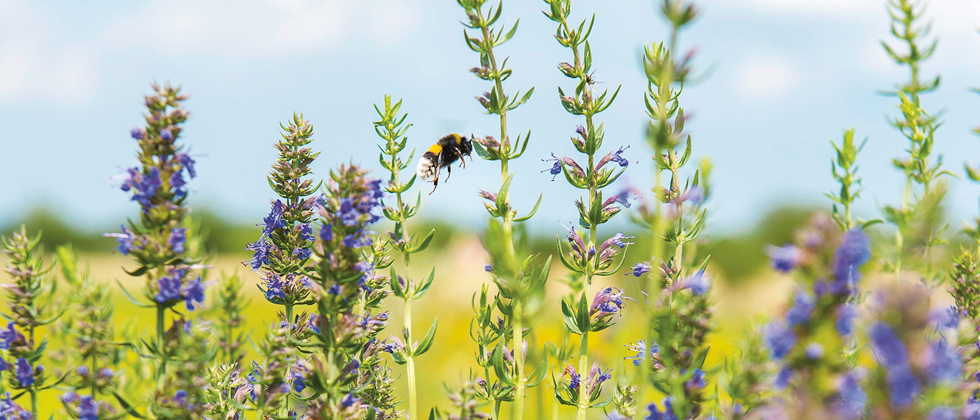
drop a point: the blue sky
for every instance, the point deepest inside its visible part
(787, 76)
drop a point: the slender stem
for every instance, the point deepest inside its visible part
(679, 250)
(510, 259)
(504, 149)
(583, 369)
(518, 343)
(30, 330)
(659, 223)
(494, 404)
(289, 316)
(161, 346)
(410, 363)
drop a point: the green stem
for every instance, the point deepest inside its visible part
(410, 363)
(494, 404)
(509, 252)
(583, 370)
(518, 343)
(161, 346)
(658, 248)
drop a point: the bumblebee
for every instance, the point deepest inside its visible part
(445, 152)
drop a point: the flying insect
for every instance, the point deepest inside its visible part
(446, 151)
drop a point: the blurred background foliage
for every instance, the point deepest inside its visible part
(735, 257)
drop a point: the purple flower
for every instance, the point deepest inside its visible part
(178, 236)
(640, 347)
(783, 377)
(972, 409)
(69, 397)
(666, 414)
(614, 156)
(326, 233)
(136, 133)
(274, 220)
(10, 409)
(850, 255)
(694, 194)
(193, 292)
(311, 324)
(903, 386)
(851, 397)
(144, 187)
(347, 213)
(188, 162)
(784, 258)
(623, 198)
(356, 240)
(166, 135)
(125, 240)
(942, 413)
(88, 409)
(639, 269)
(697, 380)
(306, 232)
(574, 379)
(178, 182)
(889, 349)
(699, 283)
(180, 397)
(349, 400)
(845, 319)
(780, 339)
(617, 240)
(488, 268)
(948, 318)
(944, 364)
(802, 309)
(25, 373)
(302, 253)
(169, 288)
(607, 301)
(8, 336)
(261, 256)
(555, 169)
(82, 370)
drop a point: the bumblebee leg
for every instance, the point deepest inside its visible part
(435, 181)
(449, 171)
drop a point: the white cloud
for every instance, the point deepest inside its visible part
(764, 77)
(261, 29)
(32, 67)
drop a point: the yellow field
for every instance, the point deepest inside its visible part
(457, 279)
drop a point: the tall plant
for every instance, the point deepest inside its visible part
(156, 242)
(589, 258)
(29, 299)
(520, 280)
(392, 128)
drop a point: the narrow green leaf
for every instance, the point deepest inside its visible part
(427, 340)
